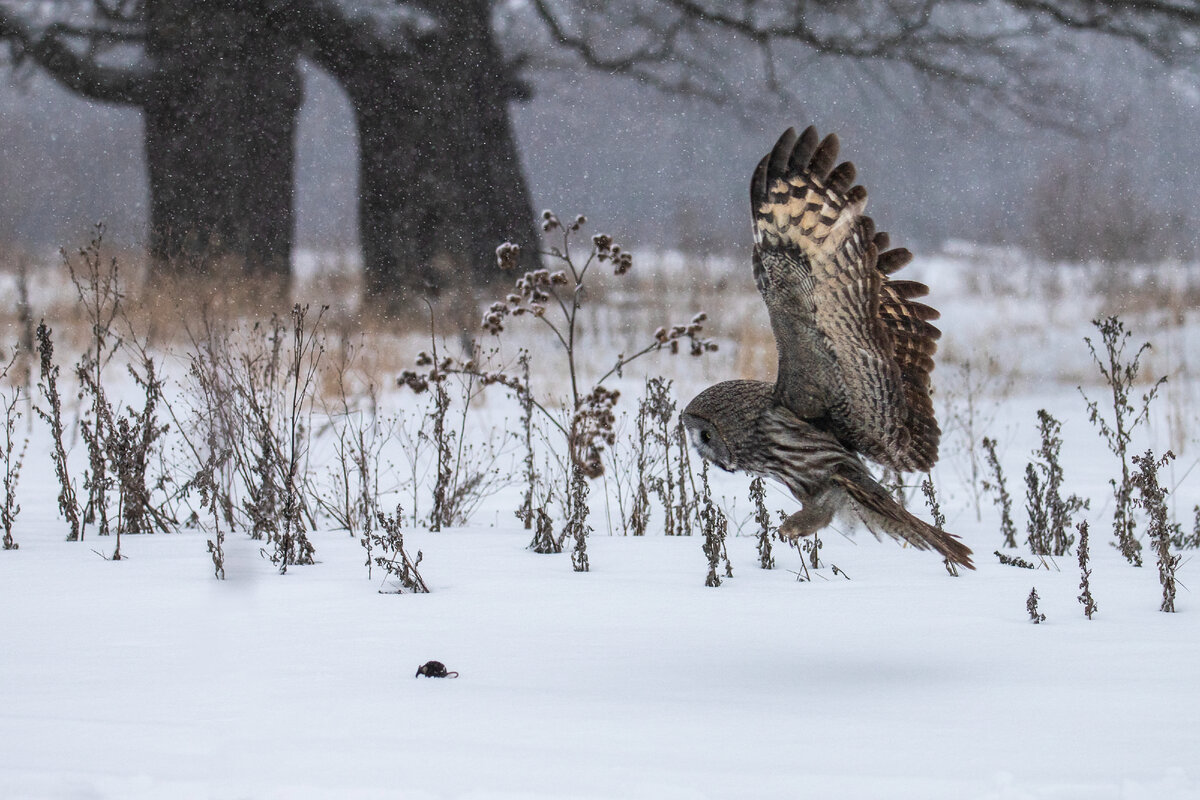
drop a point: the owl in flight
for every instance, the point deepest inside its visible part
(855, 353)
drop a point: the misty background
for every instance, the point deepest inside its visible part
(665, 171)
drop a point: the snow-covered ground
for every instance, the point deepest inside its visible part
(148, 678)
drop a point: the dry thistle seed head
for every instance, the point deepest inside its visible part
(578, 223)
(549, 221)
(559, 278)
(700, 318)
(623, 262)
(513, 299)
(603, 244)
(508, 255)
(660, 336)
(592, 430)
(413, 380)
(424, 359)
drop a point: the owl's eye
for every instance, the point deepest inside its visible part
(705, 437)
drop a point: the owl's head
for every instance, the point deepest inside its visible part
(720, 420)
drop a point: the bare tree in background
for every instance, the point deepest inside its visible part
(219, 91)
(431, 84)
(440, 178)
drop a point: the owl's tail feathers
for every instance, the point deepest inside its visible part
(882, 513)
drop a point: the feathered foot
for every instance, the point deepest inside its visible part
(815, 515)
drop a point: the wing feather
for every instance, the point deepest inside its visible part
(855, 348)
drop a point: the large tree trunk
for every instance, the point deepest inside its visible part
(220, 120)
(441, 184)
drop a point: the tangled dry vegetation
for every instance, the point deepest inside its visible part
(247, 413)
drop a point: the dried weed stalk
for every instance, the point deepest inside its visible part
(1049, 512)
(1031, 605)
(529, 463)
(544, 540)
(577, 528)
(660, 407)
(644, 458)
(216, 549)
(68, 505)
(387, 542)
(291, 544)
(715, 527)
(1153, 500)
(687, 511)
(939, 519)
(1085, 573)
(1120, 372)
(215, 429)
(132, 439)
(998, 485)
(207, 482)
(758, 495)
(13, 457)
(1012, 561)
(98, 288)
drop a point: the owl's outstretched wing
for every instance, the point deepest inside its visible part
(855, 349)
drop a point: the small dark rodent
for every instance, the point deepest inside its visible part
(434, 669)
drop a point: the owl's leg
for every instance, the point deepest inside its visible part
(816, 514)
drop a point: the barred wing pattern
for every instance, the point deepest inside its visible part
(855, 349)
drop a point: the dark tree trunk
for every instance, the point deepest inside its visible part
(441, 184)
(220, 118)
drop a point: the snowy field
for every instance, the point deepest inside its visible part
(148, 678)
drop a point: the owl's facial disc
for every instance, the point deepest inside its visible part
(707, 441)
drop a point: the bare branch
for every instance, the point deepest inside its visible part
(83, 74)
(998, 52)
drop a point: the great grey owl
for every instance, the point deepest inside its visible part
(855, 352)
